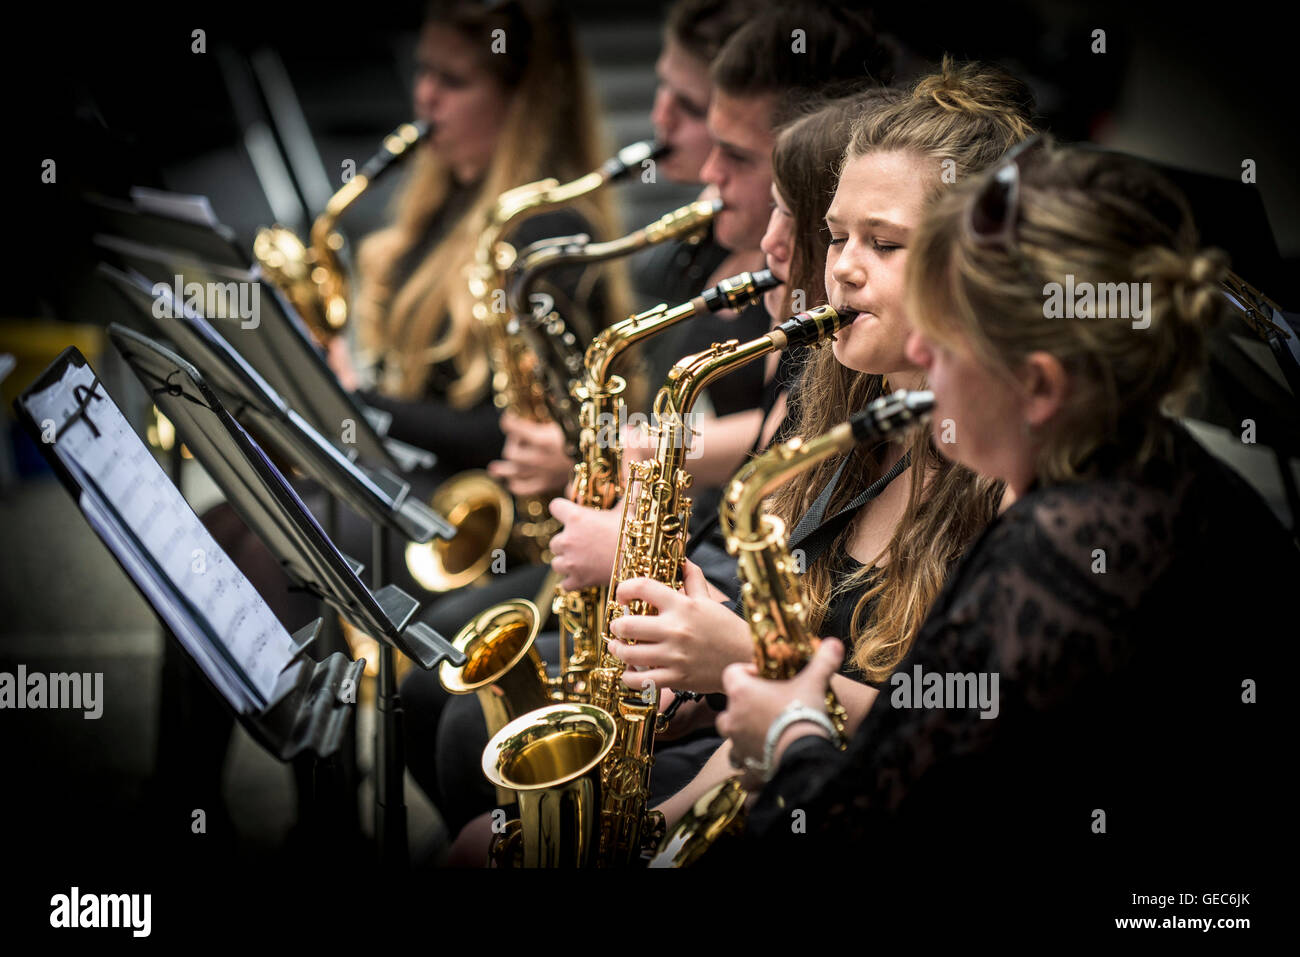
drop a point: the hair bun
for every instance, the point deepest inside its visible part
(979, 90)
(1190, 281)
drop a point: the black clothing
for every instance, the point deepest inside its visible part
(1122, 615)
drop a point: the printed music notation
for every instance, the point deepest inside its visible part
(182, 564)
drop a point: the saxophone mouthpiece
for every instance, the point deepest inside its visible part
(891, 414)
(808, 327)
(632, 156)
(765, 281)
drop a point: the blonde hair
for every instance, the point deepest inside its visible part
(968, 114)
(551, 129)
(1103, 218)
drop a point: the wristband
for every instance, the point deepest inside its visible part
(795, 712)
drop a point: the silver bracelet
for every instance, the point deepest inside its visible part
(793, 713)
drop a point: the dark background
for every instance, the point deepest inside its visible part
(114, 94)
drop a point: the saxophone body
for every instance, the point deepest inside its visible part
(485, 515)
(652, 544)
(597, 473)
(613, 830)
(771, 595)
(502, 666)
(312, 276)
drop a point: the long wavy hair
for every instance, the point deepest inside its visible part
(552, 128)
(959, 120)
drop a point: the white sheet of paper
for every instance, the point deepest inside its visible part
(126, 474)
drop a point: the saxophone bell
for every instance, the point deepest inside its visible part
(551, 761)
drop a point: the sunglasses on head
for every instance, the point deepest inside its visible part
(992, 216)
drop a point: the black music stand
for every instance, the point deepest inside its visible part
(270, 506)
(289, 705)
(160, 242)
(375, 494)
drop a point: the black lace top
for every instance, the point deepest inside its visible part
(1125, 618)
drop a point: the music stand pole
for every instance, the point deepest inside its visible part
(390, 756)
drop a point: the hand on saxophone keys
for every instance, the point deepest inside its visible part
(688, 643)
(755, 704)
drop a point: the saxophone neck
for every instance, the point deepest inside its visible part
(887, 417)
(690, 376)
(396, 146)
(688, 221)
(741, 518)
(734, 292)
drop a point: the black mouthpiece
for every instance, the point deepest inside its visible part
(809, 327)
(631, 157)
(890, 414)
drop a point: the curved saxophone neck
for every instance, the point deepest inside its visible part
(396, 145)
(493, 256)
(690, 376)
(886, 417)
(686, 222)
(741, 516)
(734, 292)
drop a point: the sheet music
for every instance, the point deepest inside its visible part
(188, 560)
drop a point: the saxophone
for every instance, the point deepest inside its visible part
(559, 363)
(485, 516)
(502, 666)
(770, 592)
(651, 544)
(596, 474)
(313, 278)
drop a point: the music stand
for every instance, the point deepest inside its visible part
(375, 494)
(270, 506)
(162, 246)
(289, 705)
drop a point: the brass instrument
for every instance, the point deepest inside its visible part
(651, 544)
(485, 515)
(553, 766)
(502, 667)
(597, 471)
(544, 331)
(312, 277)
(770, 591)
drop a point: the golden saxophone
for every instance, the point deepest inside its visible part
(557, 359)
(485, 515)
(652, 543)
(312, 277)
(597, 472)
(502, 666)
(770, 591)
(531, 755)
